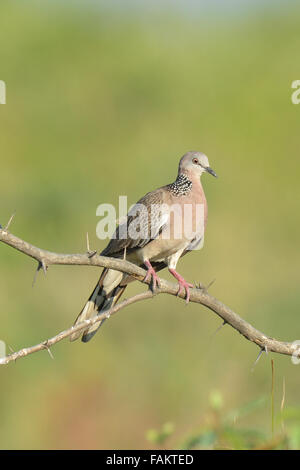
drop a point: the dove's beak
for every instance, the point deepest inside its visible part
(211, 171)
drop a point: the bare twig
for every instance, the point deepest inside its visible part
(80, 326)
(201, 296)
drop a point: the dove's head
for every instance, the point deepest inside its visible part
(194, 164)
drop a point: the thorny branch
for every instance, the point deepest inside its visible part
(197, 295)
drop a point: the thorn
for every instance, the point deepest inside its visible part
(90, 253)
(10, 348)
(41, 265)
(211, 283)
(45, 344)
(10, 221)
(125, 250)
(203, 287)
(44, 266)
(50, 353)
(36, 273)
(258, 357)
(200, 286)
(87, 243)
(219, 328)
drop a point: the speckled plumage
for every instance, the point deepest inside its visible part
(181, 186)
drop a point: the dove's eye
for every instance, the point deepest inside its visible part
(195, 160)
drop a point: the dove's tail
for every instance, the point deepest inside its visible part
(106, 293)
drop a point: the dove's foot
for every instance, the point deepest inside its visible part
(151, 273)
(183, 284)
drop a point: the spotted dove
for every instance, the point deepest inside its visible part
(159, 229)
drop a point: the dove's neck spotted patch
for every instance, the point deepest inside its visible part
(181, 187)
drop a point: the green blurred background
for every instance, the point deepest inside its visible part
(101, 102)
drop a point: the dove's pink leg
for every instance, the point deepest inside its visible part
(183, 284)
(151, 273)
